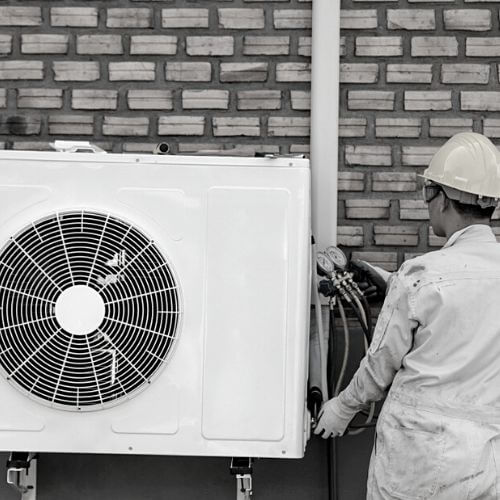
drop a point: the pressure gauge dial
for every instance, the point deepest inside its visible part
(324, 264)
(337, 256)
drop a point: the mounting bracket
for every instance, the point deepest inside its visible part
(241, 467)
(21, 474)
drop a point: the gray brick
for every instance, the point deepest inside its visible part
(467, 19)
(465, 73)
(94, 99)
(153, 45)
(196, 147)
(351, 181)
(243, 72)
(138, 147)
(181, 125)
(236, 126)
(370, 99)
(411, 19)
(482, 47)
(398, 127)
(303, 149)
(251, 149)
(305, 46)
(352, 127)
(446, 127)
(20, 16)
(432, 100)
(150, 99)
(188, 71)
(435, 241)
(184, 18)
(209, 45)
(99, 44)
(479, 101)
(368, 155)
(385, 260)
(258, 99)
(21, 70)
(350, 236)
(409, 73)
(44, 44)
(358, 19)
(5, 44)
(434, 46)
(132, 71)
(21, 125)
(394, 181)
(71, 124)
(129, 18)
(82, 17)
(379, 46)
(491, 127)
(3, 98)
(125, 126)
(301, 99)
(266, 45)
(342, 49)
(358, 73)
(288, 126)
(241, 18)
(413, 210)
(293, 72)
(39, 98)
(412, 255)
(31, 146)
(367, 209)
(395, 235)
(292, 19)
(205, 99)
(417, 156)
(76, 71)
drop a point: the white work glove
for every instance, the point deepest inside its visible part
(333, 421)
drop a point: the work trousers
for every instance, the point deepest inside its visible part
(421, 454)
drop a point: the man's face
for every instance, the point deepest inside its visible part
(433, 196)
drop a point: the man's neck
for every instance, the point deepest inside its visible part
(462, 223)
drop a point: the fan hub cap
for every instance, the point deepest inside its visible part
(79, 310)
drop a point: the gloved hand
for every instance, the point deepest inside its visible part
(332, 420)
(371, 279)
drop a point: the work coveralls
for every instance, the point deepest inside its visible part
(437, 341)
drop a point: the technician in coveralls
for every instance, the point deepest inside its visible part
(437, 341)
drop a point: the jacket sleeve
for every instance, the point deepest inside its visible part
(392, 340)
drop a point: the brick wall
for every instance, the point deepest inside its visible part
(127, 74)
(215, 74)
(413, 73)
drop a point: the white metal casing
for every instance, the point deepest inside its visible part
(236, 233)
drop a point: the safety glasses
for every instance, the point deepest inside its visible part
(430, 191)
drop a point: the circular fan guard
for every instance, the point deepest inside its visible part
(64, 269)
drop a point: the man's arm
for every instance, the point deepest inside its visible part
(392, 340)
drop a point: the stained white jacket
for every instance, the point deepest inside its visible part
(437, 341)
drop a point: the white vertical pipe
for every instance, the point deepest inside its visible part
(324, 119)
(324, 147)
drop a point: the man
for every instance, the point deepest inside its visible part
(437, 345)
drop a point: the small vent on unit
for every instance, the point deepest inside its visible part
(89, 310)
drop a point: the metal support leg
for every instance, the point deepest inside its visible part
(21, 474)
(242, 469)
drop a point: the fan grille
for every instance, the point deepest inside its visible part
(89, 310)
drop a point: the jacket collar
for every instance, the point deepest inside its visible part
(475, 232)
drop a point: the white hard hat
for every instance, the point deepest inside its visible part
(468, 163)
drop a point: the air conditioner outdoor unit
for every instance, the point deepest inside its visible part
(154, 304)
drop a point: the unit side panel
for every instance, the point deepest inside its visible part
(246, 303)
